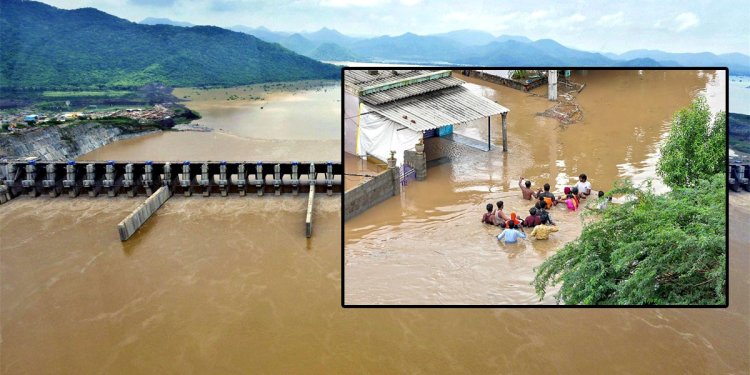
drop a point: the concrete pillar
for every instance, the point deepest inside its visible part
(90, 181)
(69, 182)
(187, 189)
(312, 176)
(205, 180)
(489, 134)
(552, 85)
(505, 131)
(241, 179)
(420, 162)
(259, 178)
(277, 179)
(395, 173)
(295, 178)
(223, 180)
(128, 181)
(50, 180)
(29, 182)
(148, 177)
(109, 178)
(329, 178)
(168, 176)
(308, 218)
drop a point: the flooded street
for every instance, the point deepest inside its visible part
(428, 246)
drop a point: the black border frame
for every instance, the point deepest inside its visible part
(726, 189)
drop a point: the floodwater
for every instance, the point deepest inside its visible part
(268, 122)
(231, 286)
(427, 246)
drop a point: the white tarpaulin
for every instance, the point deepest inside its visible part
(378, 136)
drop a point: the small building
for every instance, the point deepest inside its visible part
(392, 110)
(31, 119)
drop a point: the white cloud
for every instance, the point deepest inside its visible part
(538, 14)
(685, 21)
(614, 19)
(356, 3)
(576, 18)
(410, 2)
(458, 16)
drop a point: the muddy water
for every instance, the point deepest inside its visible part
(274, 122)
(229, 285)
(428, 246)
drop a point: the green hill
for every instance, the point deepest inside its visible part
(739, 132)
(44, 47)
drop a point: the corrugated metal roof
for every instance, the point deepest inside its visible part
(450, 106)
(361, 78)
(419, 88)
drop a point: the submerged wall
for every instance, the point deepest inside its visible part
(62, 142)
(379, 188)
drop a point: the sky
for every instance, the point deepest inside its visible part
(596, 25)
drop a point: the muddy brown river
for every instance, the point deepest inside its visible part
(232, 286)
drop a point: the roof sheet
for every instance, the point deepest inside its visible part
(419, 88)
(449, 106)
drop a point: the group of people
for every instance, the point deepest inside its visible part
(539, 217)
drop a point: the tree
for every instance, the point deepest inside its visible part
(654, 250)
(695, 148)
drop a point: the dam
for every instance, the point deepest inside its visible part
(159, 180)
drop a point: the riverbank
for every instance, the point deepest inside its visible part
(63, 142)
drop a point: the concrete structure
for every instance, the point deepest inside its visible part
(500, 78)
(160, 180)
(308, 218)
(552, 85)
(739, 176)
(381, 187)
(130, 224)
(418, 161)
(35, 177)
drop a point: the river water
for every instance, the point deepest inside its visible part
(232, 286)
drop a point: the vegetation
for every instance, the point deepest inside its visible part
(739, 132)
(45, 48)
(665, 249)
(695, 146)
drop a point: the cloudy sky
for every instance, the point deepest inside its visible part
(595, 25)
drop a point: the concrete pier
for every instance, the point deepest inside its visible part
(129, 225)
(308, 219)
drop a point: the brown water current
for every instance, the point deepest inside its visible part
(232, 286)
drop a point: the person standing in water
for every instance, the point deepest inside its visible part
(511, 234)
(541, 232)
(583, 185)
(528, 194)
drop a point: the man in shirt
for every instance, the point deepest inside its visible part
(547, 197)
(511, 234)
(584, 187)
(541, 232)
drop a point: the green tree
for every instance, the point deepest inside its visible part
(695, 148)
(654, 250)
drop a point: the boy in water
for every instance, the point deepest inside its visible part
(533, 219)
(526, 190)
(511, 234)
(603, 202)
(542, 212)
(541, 232)
(489, 217)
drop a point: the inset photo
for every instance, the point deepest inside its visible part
(528, 187)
